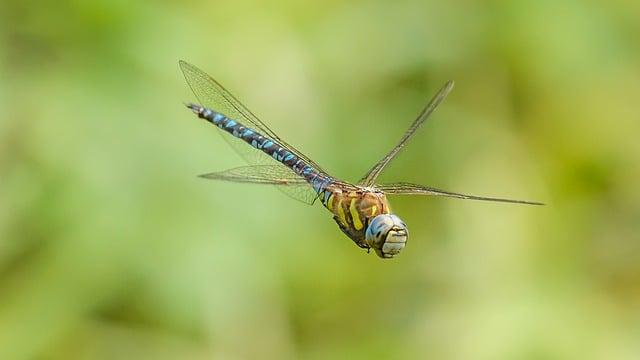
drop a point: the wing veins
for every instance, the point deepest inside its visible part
(199, 81)
(370, 177)
(296, 186)
(404, 188)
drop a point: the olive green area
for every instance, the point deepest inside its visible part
(111, 247)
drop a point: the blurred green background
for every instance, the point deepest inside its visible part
(112, 248)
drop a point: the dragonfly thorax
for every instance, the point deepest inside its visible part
(355, 209)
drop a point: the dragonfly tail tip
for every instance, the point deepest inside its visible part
(195, 108)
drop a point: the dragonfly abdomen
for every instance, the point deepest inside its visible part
(319, 181)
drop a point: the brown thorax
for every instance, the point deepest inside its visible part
(353, 208)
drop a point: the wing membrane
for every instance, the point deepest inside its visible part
(214, 96)
(370, 177)
(285, 180)
(414, 189)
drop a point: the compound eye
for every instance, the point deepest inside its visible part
(387, 235)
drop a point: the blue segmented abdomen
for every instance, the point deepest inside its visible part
(317, 180)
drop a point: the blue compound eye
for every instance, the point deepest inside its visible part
(387, 235)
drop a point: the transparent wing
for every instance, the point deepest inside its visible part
(212, 95)
(286, 180)
(414, 189)
(370, 177)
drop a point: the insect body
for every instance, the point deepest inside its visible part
(361, 210)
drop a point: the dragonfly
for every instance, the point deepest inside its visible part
(360, 209)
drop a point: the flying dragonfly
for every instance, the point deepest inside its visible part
(361, 210)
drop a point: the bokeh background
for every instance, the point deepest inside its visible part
(112, 248)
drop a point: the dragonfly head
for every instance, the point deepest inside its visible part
(387, 235)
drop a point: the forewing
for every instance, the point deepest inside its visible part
(285, 180)
(414, 189)
(214, 96)
(370, 177)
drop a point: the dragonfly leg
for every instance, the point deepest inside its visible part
(362, 244)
